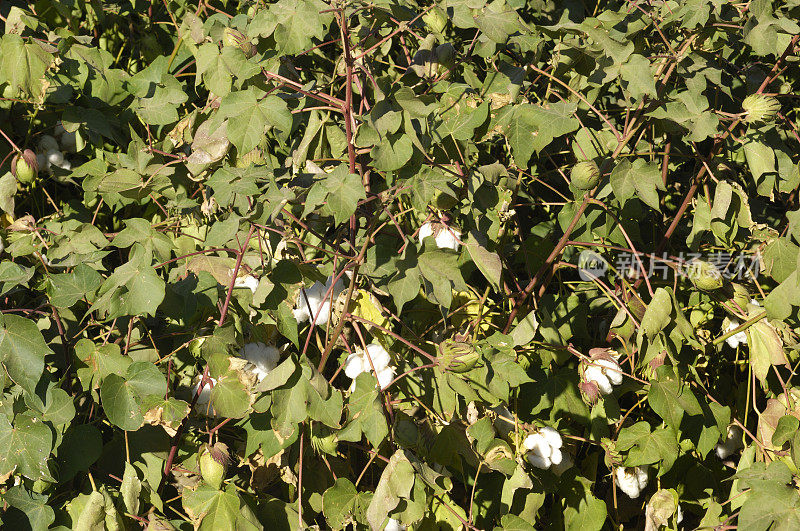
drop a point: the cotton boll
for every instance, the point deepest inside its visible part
(55, 157)
(595, 374)
(425, 230)
(611, 370)
(394, 525)
(204, 400)
(301, 314)
(532, 441)
(264, 357)
(380, 358)
(42, 162)
(556, 456)
(385, 376)
(739, 338)
(448, 239)
(353, 365)
(322, 313)
(537, 460)
(66, 165)
(47, 143)
(631, 481)
(732, 443)
(69, 142)
(247, 281)
(552, 437)
(59, 130)
(565, 464)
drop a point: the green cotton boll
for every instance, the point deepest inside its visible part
(760, 108)
(585, 175)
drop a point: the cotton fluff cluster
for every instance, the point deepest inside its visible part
(739, 338)
(312, 303)
(605, 373)
(50, 154)
(446, 238)
(394, 525)
(544, 448)
(732, 442)
(264, 357)
(631, 481)
(247, 281)
(204, 400)
(359, 362)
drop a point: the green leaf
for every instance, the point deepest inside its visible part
(658, 314)
(338, 503)
(249, 115)
(787, 427)
(645, 448)
(25, 447)
(123, 397)
(22, 351)
(212, 509)
(294, 24)
(640, 178)
(395, 484)
(339, 191)
(33, 506)
(22, 66)
(365, 413)
(66, 289)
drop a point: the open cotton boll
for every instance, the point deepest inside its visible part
(353, 365)
(313, 304)
(631, 481)
(425, 230)
(732, 443)
(552, 437)
(247, 281)
(611, 370)
(543, 448)
(69, 142)
(55, 157)
(595, 374)
(394, 525)
(448, 239)
(47, 143)
(739, 338)
(385, 376)
(380, 358)
(204, 400)
(42, 162)
(264, 357)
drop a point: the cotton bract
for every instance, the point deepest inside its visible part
(544, 448)
(631, 481)
(359, 362)
(264, 357)
(447, 238)
(605, 373)
(312, 303)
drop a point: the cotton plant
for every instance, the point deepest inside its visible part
(314, 303)
(600, 373)
(732, 442)
(631, 480)
(543, 448)
(359, 362)
(263, 357)
(445, 237)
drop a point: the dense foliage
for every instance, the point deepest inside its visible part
(389, 264)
